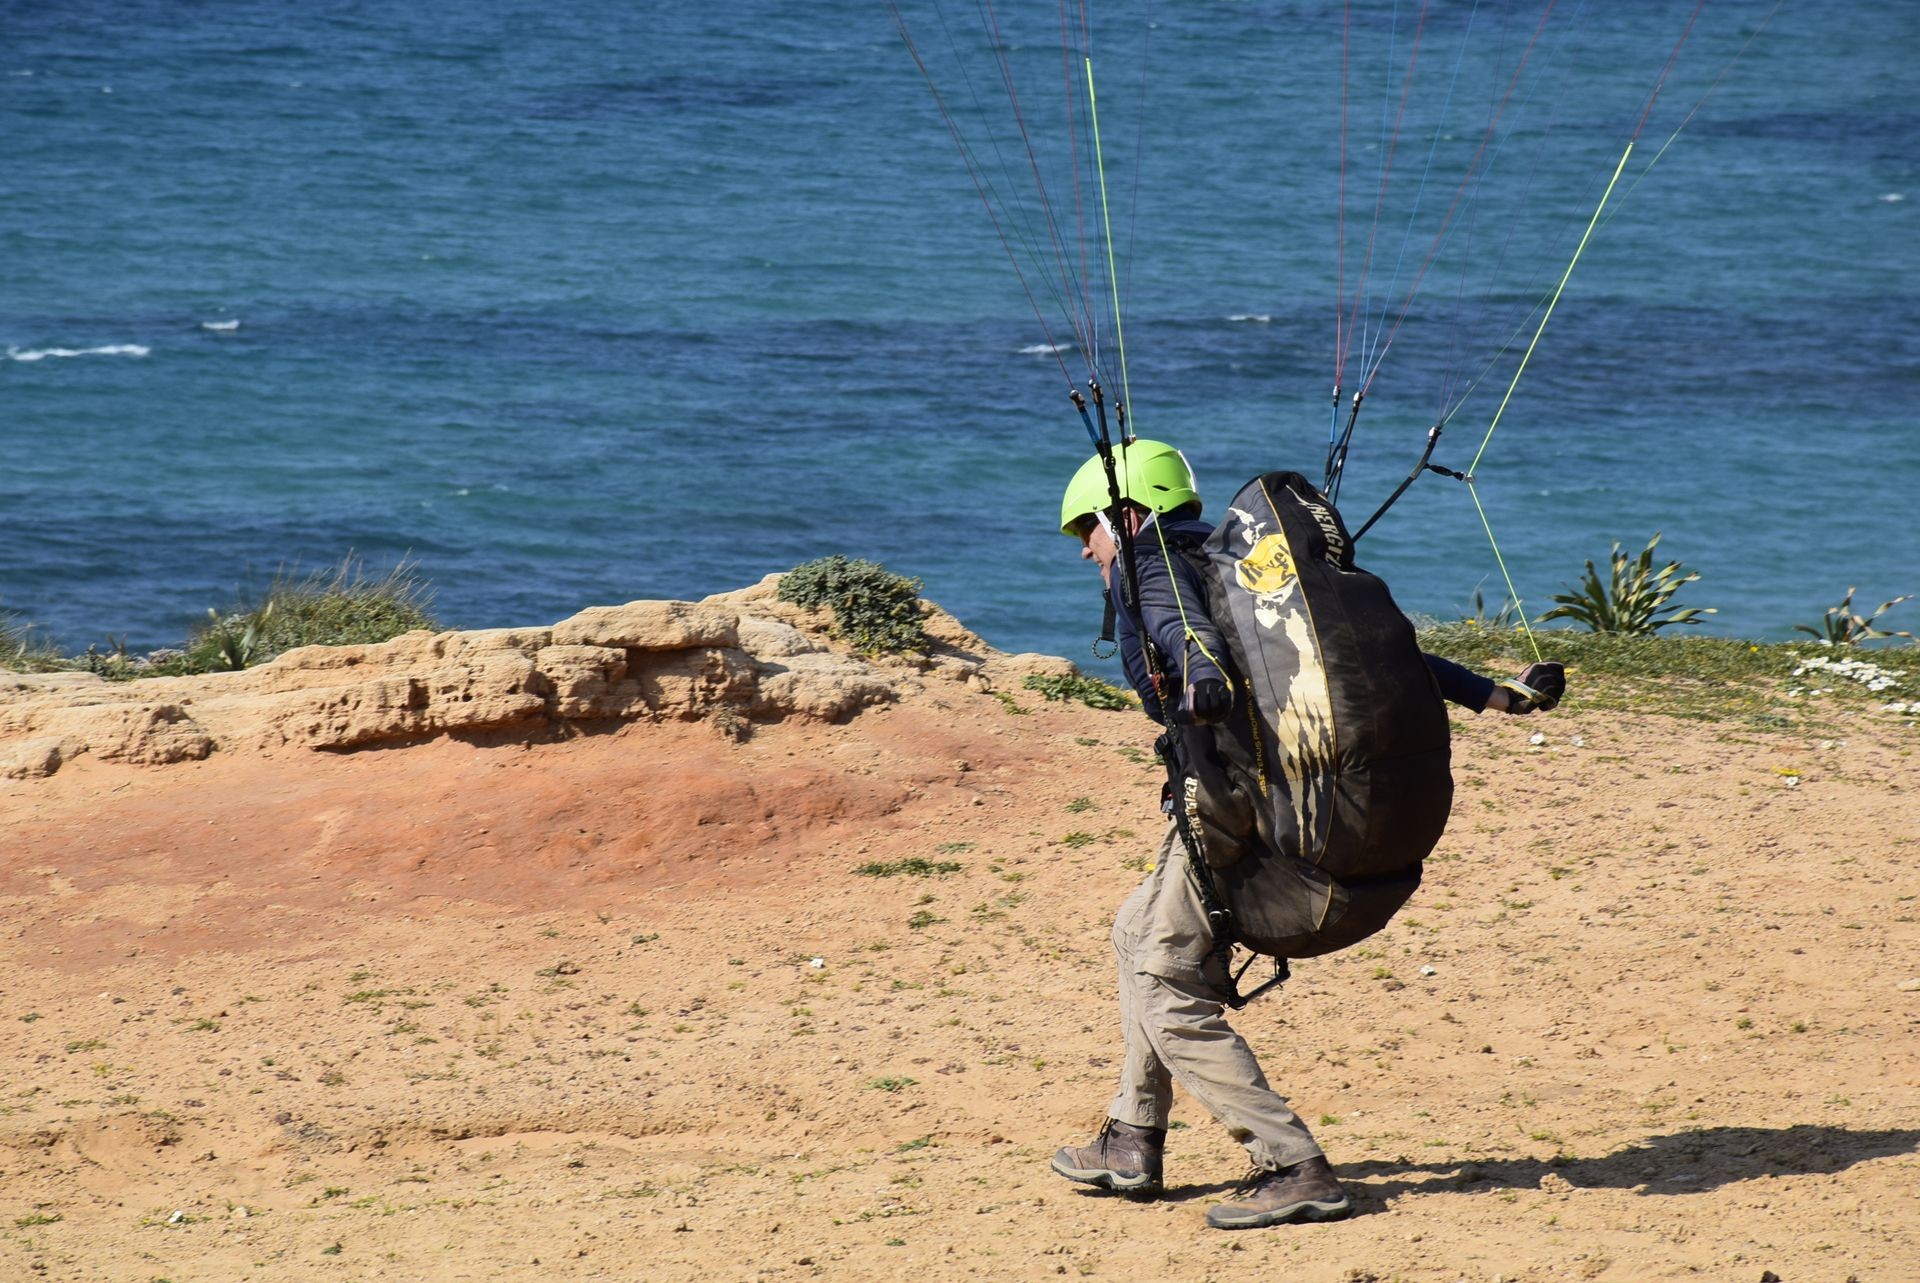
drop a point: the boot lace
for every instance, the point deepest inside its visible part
(1253, 1180)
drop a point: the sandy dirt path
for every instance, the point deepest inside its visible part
(552, 1011)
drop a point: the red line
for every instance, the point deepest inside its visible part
(1452, 209)
(1738, 55)
(1671, 59)
(1340, 223)
(1386, 170)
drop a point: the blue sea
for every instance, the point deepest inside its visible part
(579, 303)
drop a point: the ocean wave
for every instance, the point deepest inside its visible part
(1256, 318)
(220, 327)
(1893, 198)
(42, 353)
(1044, 349)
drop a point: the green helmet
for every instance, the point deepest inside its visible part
(1151, 473)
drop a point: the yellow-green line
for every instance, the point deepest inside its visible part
(1541, 329)
(1113, 277)
(1512, 592)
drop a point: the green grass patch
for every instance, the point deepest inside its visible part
(912, 867)
(343, 605)
(1702, 678)
(1090, 691)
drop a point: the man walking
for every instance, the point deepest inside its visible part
(1173, 979)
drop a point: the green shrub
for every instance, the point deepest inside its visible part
(342, 605)
(874, 610)
(1633, 599)
(1843, 626)
(1090, 691)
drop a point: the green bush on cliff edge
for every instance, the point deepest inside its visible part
(874, 610)
(339, 606)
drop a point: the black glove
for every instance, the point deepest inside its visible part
(1208, 701)
(1539, 686)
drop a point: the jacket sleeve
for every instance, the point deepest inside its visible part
(1173, 605)
(1461, 686)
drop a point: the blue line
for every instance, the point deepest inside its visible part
(1432, 147)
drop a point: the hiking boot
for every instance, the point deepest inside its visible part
(1122, 1157)
(1303, 1192)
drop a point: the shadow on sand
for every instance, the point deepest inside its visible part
(1688, 1162)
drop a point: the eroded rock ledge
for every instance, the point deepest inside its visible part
(738, 658)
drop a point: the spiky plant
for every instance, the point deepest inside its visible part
(234, 643)
(1507, 616)
(1635, 599)
(1844, 626)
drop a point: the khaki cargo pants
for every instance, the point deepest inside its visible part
(1173, 1018)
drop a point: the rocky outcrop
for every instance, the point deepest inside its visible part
(746, 652)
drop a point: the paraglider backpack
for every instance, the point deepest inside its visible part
(1320, 795)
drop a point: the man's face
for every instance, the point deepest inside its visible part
(1097, 546)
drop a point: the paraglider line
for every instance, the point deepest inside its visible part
(1033, 161)
(1551, 304)
(1446, 221)
(1673, 57)
(1113, 278)
(980, 186)
(1392, 144)
(1512, 592)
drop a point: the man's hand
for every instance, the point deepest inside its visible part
(1209, 701)
(1539, 686)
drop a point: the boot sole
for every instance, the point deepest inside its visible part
(1291, 1214)
(1120, 1182)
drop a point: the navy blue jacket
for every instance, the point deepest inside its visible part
(1173, 604)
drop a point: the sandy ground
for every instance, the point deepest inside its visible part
(508, 1011)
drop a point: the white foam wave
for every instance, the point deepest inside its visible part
(1257, 318)
(42, 353)
(220, 327)
(1893, 198)
(1042, 349)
